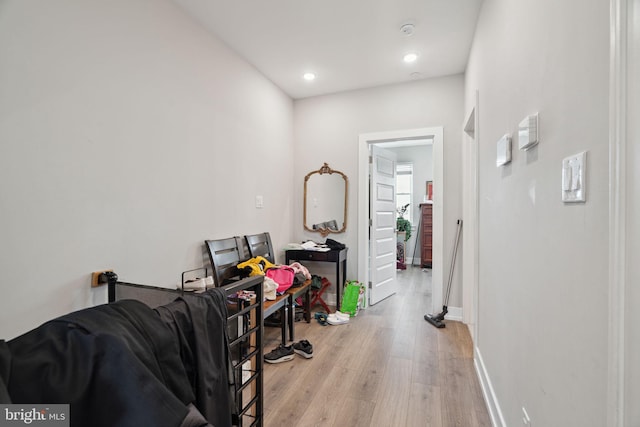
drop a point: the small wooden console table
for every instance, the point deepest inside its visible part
(337, 256)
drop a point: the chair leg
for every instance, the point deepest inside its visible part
(317, 299)
(324, 305)
(317, 296)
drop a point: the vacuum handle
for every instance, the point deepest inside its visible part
(453, 262)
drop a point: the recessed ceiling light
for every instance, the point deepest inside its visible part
(410, 57)
(309, 76)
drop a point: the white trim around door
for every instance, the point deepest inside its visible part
(617, 211)
(364, 140)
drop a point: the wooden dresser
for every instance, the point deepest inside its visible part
(426, 248)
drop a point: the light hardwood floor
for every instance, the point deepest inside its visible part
(386, 367)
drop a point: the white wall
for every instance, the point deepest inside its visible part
(543, 264)
(128, 135)
(327, 129)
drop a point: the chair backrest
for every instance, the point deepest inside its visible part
(260, 245)
(225, 255)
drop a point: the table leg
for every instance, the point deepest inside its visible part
(292, 317)
(283, 324)
(344, 271)
(307, 304)
(338, 286)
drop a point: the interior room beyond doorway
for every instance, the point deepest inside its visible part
(403, 138)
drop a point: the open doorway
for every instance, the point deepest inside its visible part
(407, 137)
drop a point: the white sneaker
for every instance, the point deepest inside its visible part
(333, 319)
(342, 315)
(194, 285)
(209, 282)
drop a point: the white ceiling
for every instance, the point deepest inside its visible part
(349, 44)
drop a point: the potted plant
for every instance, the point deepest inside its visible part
(403, 224)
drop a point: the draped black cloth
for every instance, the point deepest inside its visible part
(199, 322)
(124, 364)
(5, 366)
(116, 365)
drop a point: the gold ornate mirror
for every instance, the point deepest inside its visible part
(325, 201)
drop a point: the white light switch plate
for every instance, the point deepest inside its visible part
(259, 202)
(503, 150)
(574, 172)
(528, 132)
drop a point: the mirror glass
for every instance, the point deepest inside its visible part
(325, 201)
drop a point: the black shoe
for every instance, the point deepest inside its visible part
(279, 354)
(321, 318)
(304, 349)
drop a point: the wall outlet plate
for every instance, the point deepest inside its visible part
(528, 132)
(94, 278)
(503, 150)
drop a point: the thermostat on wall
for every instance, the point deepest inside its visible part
(528, 132)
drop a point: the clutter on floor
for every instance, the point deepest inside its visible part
(303, 348)
(286, 353)
(338, 318)
(321, 318)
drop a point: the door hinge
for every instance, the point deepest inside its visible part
(370, 159)
(370, 285)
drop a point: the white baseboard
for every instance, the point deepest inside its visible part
(454, 313)
(497, 419)
(414, 262)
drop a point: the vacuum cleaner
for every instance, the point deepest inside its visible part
(437, 320)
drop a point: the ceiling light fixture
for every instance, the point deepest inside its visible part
(410, 57)
(309, 76)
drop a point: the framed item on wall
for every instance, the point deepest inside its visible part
(429, 190)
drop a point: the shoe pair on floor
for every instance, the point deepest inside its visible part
(285, 353)
(338, 318)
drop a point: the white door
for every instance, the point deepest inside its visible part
(383, 225)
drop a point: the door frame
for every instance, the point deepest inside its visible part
(621, 33)
(471, 216)
(366, 139)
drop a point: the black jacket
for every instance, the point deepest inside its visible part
(199, 322)
(116, 365)
(123, 364)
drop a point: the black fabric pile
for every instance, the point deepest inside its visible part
(124, 364)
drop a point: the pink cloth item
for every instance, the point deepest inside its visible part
(283, 276)
(299, 268)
